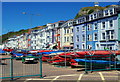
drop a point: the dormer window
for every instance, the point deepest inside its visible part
(79, 20)
(91, 17)
(83, 19)
(95, 16)
(111, 11)
(106, 12)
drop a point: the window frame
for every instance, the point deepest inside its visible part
(77, 29)
(95, 26)
(89, 46)
(82, 46)
(77, 38)
(83, 38)
(71, 30)
(67, 31)
(89, 27)
(111, 23)
(67, 39)
(71, 38)
(91, 16)
(95, 16)
(94, 37)
(103, 25)
(102, 36)
(112, 34)
(83, 28)
(106, 13)
(89, 37)
(111, 13)
(77, 46)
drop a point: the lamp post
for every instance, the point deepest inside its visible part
(31, 19)
(31, 16)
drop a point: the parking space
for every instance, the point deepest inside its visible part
(54, 74)
(95, 76)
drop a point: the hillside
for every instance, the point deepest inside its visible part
(4, 37)
(89, 10)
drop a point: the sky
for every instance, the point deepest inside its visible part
(50, 12)
(59, 0)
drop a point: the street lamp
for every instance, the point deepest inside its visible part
(31, 15)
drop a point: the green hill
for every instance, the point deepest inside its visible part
(4, 37)
(89, 10)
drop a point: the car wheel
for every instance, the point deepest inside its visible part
(72, 66)
(24, 62)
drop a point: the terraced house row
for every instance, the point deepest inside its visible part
(97, 31)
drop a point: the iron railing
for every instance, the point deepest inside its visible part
(14, 68)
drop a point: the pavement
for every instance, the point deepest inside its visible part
(52, 73)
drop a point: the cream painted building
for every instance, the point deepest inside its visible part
(66, 35)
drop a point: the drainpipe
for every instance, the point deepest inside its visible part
(86, 35)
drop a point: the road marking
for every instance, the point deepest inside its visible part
(115, 72)
(102, 77)
(69, 75)
(99, 76)
(55, 79)
(118, 71)
(109, 73)
(36, 79)
(62, 75)
(49, 76)
(39, 79)
(27, 80)
(80, 77)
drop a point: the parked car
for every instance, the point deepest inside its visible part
(29, 58)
